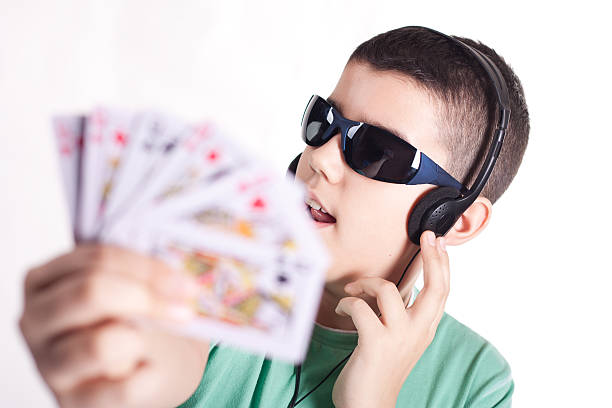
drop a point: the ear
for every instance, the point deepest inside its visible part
(471, 223)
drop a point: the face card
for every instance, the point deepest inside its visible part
(262, 298)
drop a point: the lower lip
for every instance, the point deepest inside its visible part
(319, 224)
(322, 224)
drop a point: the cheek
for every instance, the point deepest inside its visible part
(376, 227)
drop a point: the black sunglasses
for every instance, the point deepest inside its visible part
(371, 151)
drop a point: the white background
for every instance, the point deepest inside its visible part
(535, 283)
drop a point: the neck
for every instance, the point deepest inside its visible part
(334, 291)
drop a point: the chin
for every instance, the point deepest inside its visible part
(333, 273)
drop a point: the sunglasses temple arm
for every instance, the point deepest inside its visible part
(430, 173)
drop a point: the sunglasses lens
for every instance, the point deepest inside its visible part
(315, 121)
(380, 155)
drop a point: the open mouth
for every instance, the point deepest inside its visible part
(318, 213)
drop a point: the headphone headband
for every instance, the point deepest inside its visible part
(503, 98)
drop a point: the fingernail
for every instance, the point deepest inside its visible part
(181, 313)
(431, 238)
(443, 244)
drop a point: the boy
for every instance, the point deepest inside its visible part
(423, 89)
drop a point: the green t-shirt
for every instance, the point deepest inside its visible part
(458, 369)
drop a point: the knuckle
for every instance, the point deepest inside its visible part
(114, 348)
(387, 286)
(29, 277)
(56, 373)
(56, 379)
(101, 256)
(25, 329)
(32, 277)
(100, 346)
(53, 379)
(359, 304)
(91, 291)
(29, 333)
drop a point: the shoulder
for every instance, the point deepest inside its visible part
(477, 373)
(453, 336)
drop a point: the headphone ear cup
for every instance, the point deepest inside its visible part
(435, 211)
(293, 166)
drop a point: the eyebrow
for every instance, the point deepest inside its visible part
(336, 105)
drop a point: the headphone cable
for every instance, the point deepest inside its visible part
(298, 367)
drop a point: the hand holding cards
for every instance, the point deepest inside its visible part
(194, 198)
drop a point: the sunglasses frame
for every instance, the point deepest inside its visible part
(426, 171)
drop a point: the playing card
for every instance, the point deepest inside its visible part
(154, 139)
(68, 132)
(116, 139)
(91, 177)
(106, 136)
(196, 199)
(203, 157)
(259, 297)
(247, 204)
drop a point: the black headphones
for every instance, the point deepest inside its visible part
(440, 208)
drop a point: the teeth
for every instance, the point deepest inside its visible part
(312, 203)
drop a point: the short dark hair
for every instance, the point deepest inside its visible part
(466, 111)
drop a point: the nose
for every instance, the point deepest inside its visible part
(328, 159)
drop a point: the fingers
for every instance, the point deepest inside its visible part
(134, 391)
(91, 353)
(364, 318)
(40, 277)
(78, 320)
(388, 298)
(171, 369)
(91, 297)
(156, 274)
(428, 307)
(107, 258)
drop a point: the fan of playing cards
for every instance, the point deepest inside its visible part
(193, 197)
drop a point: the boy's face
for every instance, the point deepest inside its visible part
(369, 237)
